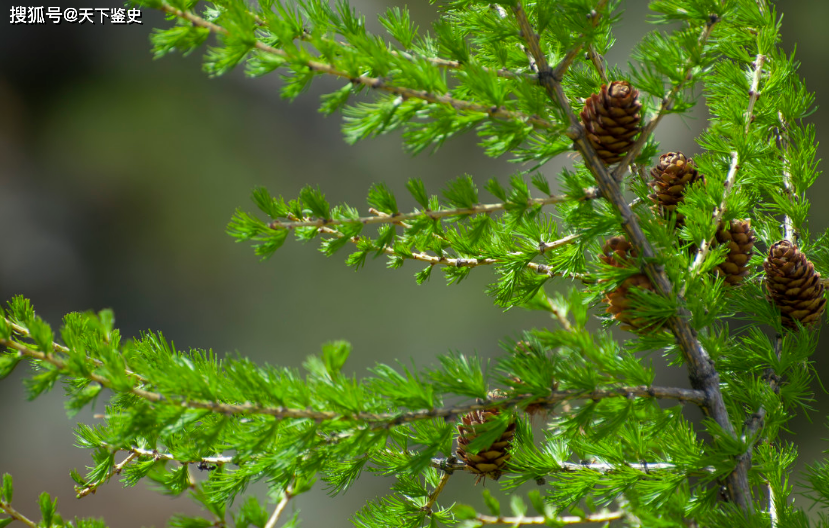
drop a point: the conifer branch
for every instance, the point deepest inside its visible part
(555, 521)
(772, 507)
(705, 245)
(457, 65)
(589, 194)
(598, 63)
(385, 419)
(502, 13)
(16, 515)
(730, 180)
(373, 82)
(790, 232)
(433, 497)
(135, 452)
(217, 460)
(667, 103)
(452, 464)
(306, 36)
(570, 56)
(560, 316)
(434, 260)
(280, 507)
(116, 470)
(63, 350)
(701, 368)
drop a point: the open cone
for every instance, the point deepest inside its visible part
(611, 119)
(793, 285)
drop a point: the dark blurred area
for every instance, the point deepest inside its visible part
(119, 173)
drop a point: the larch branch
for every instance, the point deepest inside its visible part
(667, 104)
(435, 260)
(374, 82)
(116, 470)
(280, 507)
(589, 194)
(731, 178)
(555, 521)
(702, 372)
(433, 497)
(384, 419)
(16, 515)
(645, 468)
(306, 36)
(62, 349)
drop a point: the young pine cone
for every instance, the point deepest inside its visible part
(739, 237)
(669, 180)
(793, 285)
(615, 252)
(487, 462)
(611, 120)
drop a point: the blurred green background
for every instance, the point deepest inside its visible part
(119, 174)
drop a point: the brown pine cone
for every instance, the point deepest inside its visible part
(740, 240)
(669, 180)
(793, 285)
(615, 252)
(611, 120)
(489, 462)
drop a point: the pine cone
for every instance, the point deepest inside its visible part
(793, 285)
(616, 252)
(487, 462)
(740, 240)
(611, 120)
(669, 179)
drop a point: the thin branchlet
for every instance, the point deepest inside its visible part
(667, 104)
(589, 194)
(646, 468)
(9, 510)
(435, 260)
(306, 36)
(731, 178)
(555, 521)
(287, 495)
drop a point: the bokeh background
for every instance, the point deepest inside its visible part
(119, 173)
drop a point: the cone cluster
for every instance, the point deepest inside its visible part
(616, 252)
(669, 180)
(739, 237)
(611, 119)
(489, 462)
(793, 285)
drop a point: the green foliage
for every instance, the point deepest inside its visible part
(610, 449)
